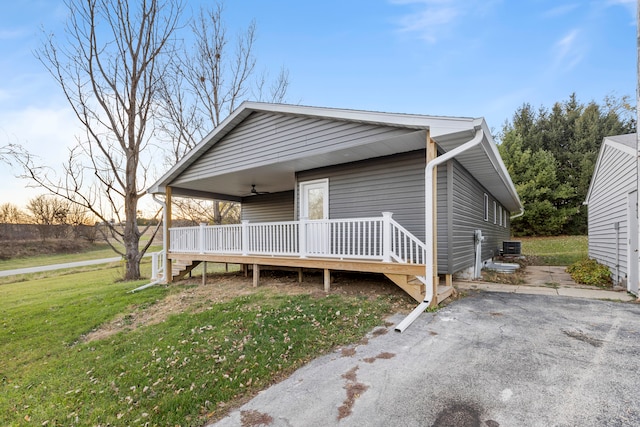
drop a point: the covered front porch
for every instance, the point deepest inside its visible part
(375, 245)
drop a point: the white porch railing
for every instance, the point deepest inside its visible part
(157, 266)
(380, 238)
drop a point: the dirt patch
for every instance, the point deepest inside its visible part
(354, 390)
(255, 418)
(190, 295)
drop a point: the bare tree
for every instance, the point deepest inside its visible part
(203, 211)
(11, 214)
(109, 67)
(211, 80)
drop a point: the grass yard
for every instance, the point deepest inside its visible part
(557, 250)
(182, 371)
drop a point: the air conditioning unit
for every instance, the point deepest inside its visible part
(512, 247)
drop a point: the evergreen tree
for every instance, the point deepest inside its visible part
(551, 156)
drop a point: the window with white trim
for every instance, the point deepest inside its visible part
(486, 207)
(495, 212)
(500, 212)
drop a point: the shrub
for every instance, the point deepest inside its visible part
(590, 272)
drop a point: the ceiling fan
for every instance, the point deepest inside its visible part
(254, 191)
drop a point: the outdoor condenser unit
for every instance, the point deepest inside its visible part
(511, 247)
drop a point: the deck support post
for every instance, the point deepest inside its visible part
(386, 236)
(299, 274)
(204, 273)
(327, 280)
(256, 275)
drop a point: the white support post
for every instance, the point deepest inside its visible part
(154, 265)
(201, 236)
(245, 237)
(386, 236)
(302, 235)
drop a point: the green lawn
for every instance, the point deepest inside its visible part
(179, 372)
(557, 250)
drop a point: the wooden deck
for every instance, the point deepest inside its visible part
(402, 274)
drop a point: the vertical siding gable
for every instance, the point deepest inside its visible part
(264, 138)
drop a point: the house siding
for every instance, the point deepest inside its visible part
(269, 207)
(466, 214)
(396, 184)
(616, 177)
(265, 138)
(368, 188)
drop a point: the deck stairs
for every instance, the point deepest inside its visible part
(180, 268)
(416, 288)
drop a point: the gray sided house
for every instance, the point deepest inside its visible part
(346, 190)
(613, 210)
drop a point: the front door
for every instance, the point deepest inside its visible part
(633, 259)
(314, 207)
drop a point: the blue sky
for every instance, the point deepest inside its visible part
(436, 57)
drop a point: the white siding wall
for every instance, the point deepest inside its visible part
(614, 179)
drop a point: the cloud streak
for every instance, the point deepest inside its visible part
(568, 52)
(430, 18)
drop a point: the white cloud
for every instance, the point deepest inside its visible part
(430, 18)
(568, 52)
(433, 20)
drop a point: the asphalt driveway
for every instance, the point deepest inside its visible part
(490, 359)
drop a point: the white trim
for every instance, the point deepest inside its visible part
(486, 207)
(317, 183)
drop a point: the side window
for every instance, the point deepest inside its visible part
(500, 212)
(486, 207)
(495, 212)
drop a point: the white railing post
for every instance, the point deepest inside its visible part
(201, 236)
(302, 233)
(245, 237)
(154, 265)
(386, 236)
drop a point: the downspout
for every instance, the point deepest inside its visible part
(518, 214)
(428, 221)
(164, 246)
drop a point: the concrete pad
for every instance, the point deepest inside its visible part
(489, 359)
(483, 286)
(536, 290)
(595, 294)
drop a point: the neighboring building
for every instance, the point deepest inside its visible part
(314, 184)
(613, 210)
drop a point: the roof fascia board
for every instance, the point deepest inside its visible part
(491, 149)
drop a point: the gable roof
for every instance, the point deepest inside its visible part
(626, 144)
(394, 132)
